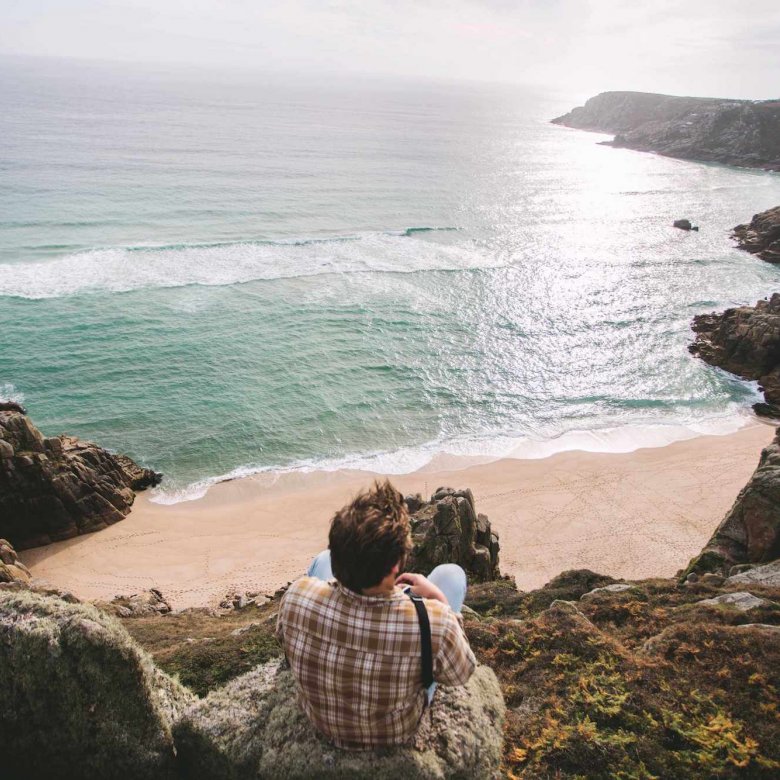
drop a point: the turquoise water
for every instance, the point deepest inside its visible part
(224, 273)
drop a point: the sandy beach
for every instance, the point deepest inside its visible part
(631, 515)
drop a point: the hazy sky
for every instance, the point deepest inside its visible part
(703, 47)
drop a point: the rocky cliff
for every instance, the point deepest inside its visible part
(58, 487)
(750, 531)
(745, 341)
(733, 132)
(761, 236)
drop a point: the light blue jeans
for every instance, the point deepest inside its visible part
(449, 578)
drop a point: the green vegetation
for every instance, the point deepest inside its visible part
(204, 650)
(589, 696)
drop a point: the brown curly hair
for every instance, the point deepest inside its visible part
(369, 536)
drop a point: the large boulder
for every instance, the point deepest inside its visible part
(11, 568)
(750, 532)
(80, 698)
(744, 341)
(761, 236)
(252, 728)
(447, 529)
(58, 487)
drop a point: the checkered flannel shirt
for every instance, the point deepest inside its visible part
(357, 660)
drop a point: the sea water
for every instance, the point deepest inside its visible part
(222, 273)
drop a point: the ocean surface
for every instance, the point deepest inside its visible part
(228, 273)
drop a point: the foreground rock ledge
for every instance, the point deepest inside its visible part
(80, 698)
(78, 692)
(253, 728)
(59, 487)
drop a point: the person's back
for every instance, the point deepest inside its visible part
(356, 651)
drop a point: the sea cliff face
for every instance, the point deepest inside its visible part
(732, 132)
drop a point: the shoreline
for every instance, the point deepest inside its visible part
(631, 515)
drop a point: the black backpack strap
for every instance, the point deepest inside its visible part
(425, 638)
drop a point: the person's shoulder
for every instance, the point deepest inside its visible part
(308, 587)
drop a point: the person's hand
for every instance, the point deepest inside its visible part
(421, 586)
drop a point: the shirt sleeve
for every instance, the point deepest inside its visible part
(455, 662)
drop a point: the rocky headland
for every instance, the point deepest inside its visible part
(55, 488)
(733, 132)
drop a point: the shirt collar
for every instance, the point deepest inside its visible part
(360, 597)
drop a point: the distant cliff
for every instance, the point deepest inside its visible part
(733, 132)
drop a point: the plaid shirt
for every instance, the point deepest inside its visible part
(357, 660)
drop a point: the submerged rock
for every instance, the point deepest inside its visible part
(447, 529)
(761, 236)
(253, 728)
(750, 531)
(58, 487)
(744, 341)
(80, 698)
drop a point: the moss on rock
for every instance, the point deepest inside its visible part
(80, 698)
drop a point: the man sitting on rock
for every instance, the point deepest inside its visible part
(354, 642)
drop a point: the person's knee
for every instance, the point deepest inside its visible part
(320, 565)
(449, 571)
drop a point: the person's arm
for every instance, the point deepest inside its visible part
(422, 586)
(455, 661)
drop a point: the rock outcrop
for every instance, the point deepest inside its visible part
(761, 236)
(447, 529)
(733, 132)
(253, 728)
(11, 568)
(746, 342)
(58, 487)
(768, 576)
(80, 698)
(750, 532)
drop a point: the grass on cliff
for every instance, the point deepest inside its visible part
(204, 650)
(586, 696)
(643, 683)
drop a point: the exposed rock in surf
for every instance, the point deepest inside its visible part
(750, 532)
(761, 236)
(685, 224)
(744, 341)
(12, 406)
(733, 132)
(447, 529)
(59, 487)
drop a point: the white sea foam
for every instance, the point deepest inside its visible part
(9, 393)
(461, 453)
(125, 269)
